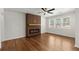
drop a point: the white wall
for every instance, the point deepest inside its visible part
(77, 28)
(61, 31)
(1, 25)
(14, 25)
(0, 31)
(43, 24)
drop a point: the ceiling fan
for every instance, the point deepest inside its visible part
(47, 10)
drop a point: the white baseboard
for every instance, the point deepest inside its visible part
(13, 38)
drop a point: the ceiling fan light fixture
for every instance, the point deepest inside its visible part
(46, 10)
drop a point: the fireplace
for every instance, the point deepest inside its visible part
(33, 31)
(33, 25)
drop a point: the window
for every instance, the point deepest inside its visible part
(58, 23)
(66, 22)
(51, 23)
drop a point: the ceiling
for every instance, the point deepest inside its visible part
(36, 11)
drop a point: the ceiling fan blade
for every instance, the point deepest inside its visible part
(50, 12)
(51, 9)
(43, 9)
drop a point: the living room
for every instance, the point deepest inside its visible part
(56, 30)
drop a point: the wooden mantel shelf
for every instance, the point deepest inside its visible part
(34, 24)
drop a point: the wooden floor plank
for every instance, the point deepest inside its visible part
(43, 42)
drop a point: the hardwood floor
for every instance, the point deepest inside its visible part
(44, 42)
(0, 49)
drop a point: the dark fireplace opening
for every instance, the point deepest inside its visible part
(34, 31)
